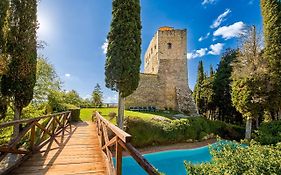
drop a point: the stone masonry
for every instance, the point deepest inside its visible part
(164, 82)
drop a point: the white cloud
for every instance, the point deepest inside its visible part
(204, 37)
(220, 19)
(215, 49)
(197, 53)
(205, 2)
(231, 31)
(67, 75)
(104, 46)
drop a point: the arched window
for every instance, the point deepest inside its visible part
(169, 45)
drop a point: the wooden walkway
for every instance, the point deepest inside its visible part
(79, 153)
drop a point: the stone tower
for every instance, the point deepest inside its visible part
(164, 82)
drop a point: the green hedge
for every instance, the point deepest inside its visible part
(254, 159)
(155, 132)
(269, 133)
(75, 115)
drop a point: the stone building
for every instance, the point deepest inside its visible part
(164, 82)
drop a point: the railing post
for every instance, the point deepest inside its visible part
(32, 138)
(119, 150)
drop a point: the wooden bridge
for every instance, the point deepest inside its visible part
(53, 145)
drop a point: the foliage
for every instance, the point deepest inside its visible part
(75, 114)
(86, 103)
(271, 12)
(124, 51)
(222, 89)
(46, 80)
(124, 47)
(97, 96)
(32, 111)
(269, 133)
(238, 159)
(199, 101)
(157, 132)
(4, 35)
(72, 97)
(4, 56)
(19, 81)
(62, 101)
(249, 76)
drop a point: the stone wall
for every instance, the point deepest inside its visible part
(151, 57)
(148, 93)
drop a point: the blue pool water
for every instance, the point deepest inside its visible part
(168, 162)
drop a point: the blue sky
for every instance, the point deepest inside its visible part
(75, 32)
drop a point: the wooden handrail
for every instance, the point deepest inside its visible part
(37, 133)
(110, 135)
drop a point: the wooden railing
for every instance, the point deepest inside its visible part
(114, 140)
(34, 134)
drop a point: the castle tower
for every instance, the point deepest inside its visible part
(164, 83)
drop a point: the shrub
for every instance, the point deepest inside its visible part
(237, 159)
(75, 112)
(157, 132)
(269, 133)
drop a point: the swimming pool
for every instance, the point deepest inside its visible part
(168, 162)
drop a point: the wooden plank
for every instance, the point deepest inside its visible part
(75, 156)
(110, 143)
(139, 158)
(32, 138)
(118, 158)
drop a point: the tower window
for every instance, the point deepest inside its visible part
(169, 45)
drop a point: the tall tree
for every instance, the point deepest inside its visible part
(97, 96)
(124, 51)
(222, 89)
(4, 35)
(197, 94)
(72, 97)
(20, 79)
(271, 12)
(212, 72)
(46, 80)
(249, 80)
(4, 55)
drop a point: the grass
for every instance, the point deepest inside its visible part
(86, 114)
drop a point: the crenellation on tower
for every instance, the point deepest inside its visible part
(164, 82)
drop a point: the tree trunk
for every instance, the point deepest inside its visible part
(248, 128)
(121, 108)
(257, 122)
(17, 114)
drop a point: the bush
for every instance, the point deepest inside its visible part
(269, 133)
(75, 112)
(157, 132)
(237, 159)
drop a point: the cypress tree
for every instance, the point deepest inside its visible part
(20, 79)
(124, 51)
(197, 94)
(271, 12)
(4, 59)
(212, 72)
(222, 89)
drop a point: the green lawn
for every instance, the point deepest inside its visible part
(86, 113)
